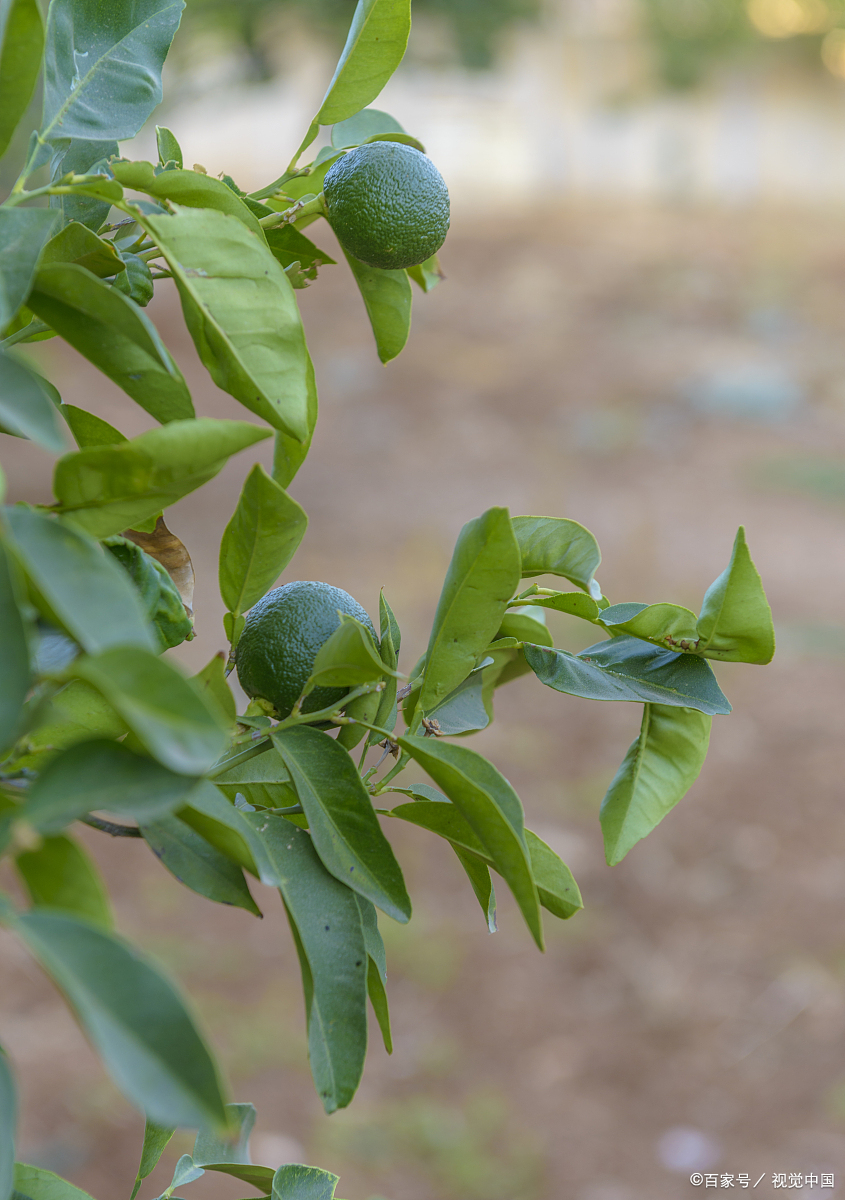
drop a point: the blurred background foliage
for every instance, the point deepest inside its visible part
(471, 27)
(689, 37)
(686, 38)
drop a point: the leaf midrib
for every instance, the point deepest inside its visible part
(86, 79)
(661, 687)
(465, 583)
(336, 830)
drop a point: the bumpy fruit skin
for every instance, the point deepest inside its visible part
(281, 638)
(388, 205)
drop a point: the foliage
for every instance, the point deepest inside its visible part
(689, 37)
(94, 720)
(474, 27)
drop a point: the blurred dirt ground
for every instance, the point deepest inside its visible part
(661, 376)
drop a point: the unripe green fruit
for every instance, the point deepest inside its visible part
(281, 638)
(388, 204)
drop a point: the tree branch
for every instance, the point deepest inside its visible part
(110, 827)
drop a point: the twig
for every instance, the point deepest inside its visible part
(111, 827)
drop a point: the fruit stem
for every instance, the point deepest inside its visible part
(316, 206)
(293, 172)
(326, 714)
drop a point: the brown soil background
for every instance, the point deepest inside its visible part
(704, 985)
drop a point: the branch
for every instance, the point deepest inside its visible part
(110, 827)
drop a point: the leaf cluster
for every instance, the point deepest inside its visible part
(98, 727)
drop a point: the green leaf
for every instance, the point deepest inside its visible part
(191, 188)
(197, 864)
(78, 244)
(185, 1172)
(230, 1156)
(101, 775)
(347, 658)
(263, 781)
(88, 203)
(528, 627)
(556, 887)
(288, 453)
(60, 874)
(387, 298)
(160, 597)
(211, 1149)
(391, 640)
(478, 874)
(212, 683)
(556, 546)
(329, 938)
(391, 636)
(374, 49)
(659, 768)
(134, 1017)
(668, 625)
(224, 826)
(8, 1123)
(241, 312)
(89, 430)
(428, 274)
(106, 489)
(481, 579)
(136, 282)
(168, 148)
(156, 1138)
(377, 969)
(102, 79)
(361, 709)
(491, 807)
(23, 235)
(21, 47)
(735, 624)
(76, 713)
(293, 1181)
(343, 823)
(14, 652)
(113, 334)
(356, 129)
(575, 604)
(85, 590)
(289, 246)
(463, 710)
(27, 408)
(259, 541)
(626, 668)
(170, 718)
(422, 791)
(34, 1183)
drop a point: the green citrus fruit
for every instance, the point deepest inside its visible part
(388, 204)
(281, 638)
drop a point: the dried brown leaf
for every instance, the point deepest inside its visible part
(166, 548)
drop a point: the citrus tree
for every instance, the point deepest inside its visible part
(99, 726)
